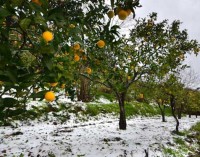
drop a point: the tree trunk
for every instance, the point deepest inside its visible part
(179, 114)
(180, 111)
(162, 111)
(189, 115)
(122, 118)
(172, 104)
(163, 116)
(84, 93)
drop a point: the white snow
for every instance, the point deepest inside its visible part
(94, 138)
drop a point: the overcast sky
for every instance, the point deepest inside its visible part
(187, 11)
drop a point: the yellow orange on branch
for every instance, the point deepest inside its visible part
(63, 86)
(84, 57)
(53, 84)
(76, 46)
(122, 14)
(72, 26)
(47, 36)
(89, 70)
(76, 58)
(50, 96)
(101, 44)
(141, 96)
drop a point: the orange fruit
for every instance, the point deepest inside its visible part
(50, 96)
(53, 84)
(122, 14)
(81, 50)
(76, 46)
(76, 57)
(37, 2)
(63, 86)
(47, 36)
(89, 70)
(100, 43)
(160, 100)
(129, 77)
(111, 14)
(84, 57)
(141, 96)
(72, 26)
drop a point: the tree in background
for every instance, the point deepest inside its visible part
(153, 49)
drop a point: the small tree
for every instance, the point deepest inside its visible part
(156, 94)
(173, 88)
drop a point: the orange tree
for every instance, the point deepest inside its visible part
(154, 92)
(192, 105)
(173, 88)
(153, 49)
(39, 43)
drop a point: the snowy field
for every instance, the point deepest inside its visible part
(94, 138)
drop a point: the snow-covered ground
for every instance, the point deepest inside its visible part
(94, 138)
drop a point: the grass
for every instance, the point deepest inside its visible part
(172, 153)
(179, 141)
(196, 133)
(95, 109)
(196, 127)
(63, 111)
(182, 146)
(132, 109)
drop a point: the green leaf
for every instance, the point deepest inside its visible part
(40, 20)
(11, 74)
(25, 23)
(4, 12)
(17, 2)
(5, 54)
(16, 112)
(9, 102)
(47, 50)
(48, 63)
(38, 95)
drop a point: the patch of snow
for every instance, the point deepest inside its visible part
(102, 101)
(94, 138)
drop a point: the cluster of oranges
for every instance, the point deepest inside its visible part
(122, 13)
(47, 37)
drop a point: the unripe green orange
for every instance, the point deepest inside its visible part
(111, 14)
(122, 14)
